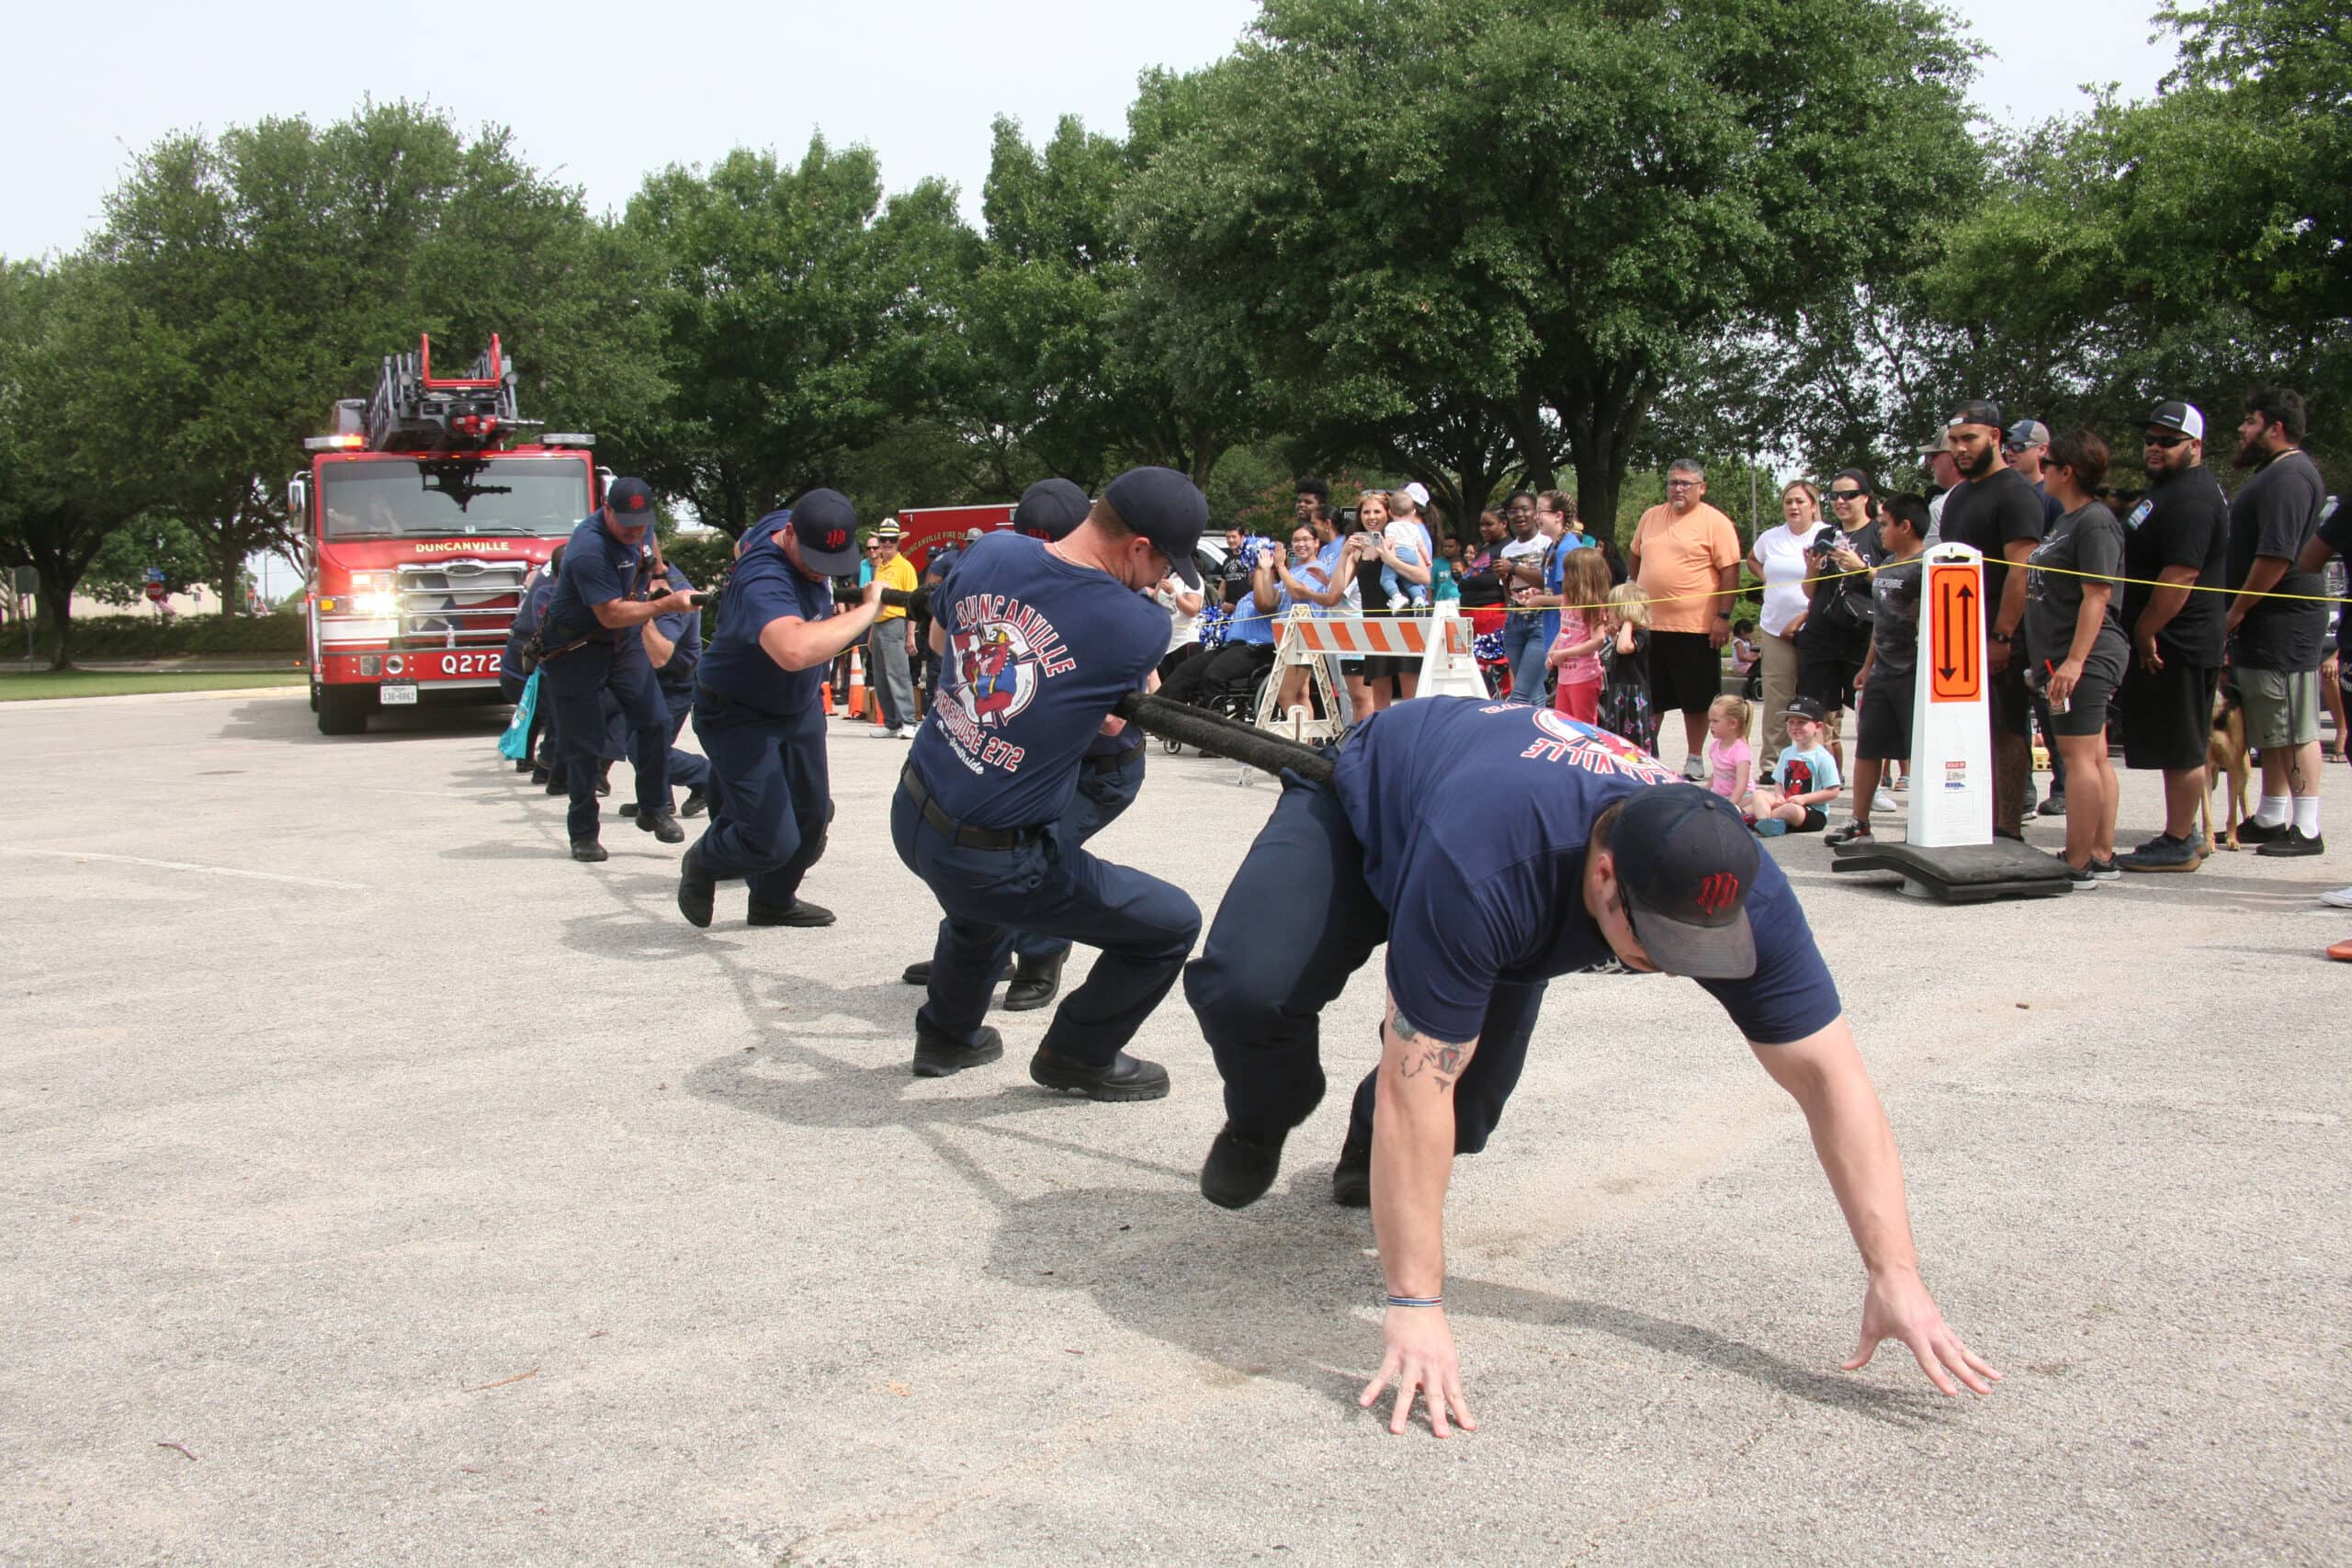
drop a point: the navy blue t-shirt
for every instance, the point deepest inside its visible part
(684, 628)
(1038, 650)
(765, 587)
(597, 569)
(1495, 894)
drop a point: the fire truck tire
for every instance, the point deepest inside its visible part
(344, 710)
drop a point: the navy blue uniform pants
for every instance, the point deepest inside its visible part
(577, 682)
(1106, 786)
(1299, 920)
(771, 796)
(686, 770)
(1048, 886)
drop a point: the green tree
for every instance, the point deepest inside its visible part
(802, 316)
(118, 573)
(269, 271)
(68, 481)
(2187, 245)
(1485, 235)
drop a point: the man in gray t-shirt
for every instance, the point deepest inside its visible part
(2274, 642)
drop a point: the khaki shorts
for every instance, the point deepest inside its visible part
(2282, 707)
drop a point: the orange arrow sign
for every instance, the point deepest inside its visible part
(1956, 672)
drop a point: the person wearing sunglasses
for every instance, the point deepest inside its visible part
(2175, 554)
(1835, 640)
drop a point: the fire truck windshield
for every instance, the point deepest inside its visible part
(411, 497)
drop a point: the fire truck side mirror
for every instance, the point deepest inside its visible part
(298, 502)
(604, 477)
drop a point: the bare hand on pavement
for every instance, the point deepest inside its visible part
(1899, 1307)
(1420, 1359)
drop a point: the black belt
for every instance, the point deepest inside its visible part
(959, 833)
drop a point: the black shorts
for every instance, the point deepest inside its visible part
(1815, 819)
(2166, 716)
(1828, 679)
(1883, 734)
(2087, 708)
(2008, 700)
(1373, 668)
(1686, 673)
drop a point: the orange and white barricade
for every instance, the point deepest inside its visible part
(1442, 640)
(1302, 642)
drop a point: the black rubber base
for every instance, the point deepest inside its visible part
(1966, 874)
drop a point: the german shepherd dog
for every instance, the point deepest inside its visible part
(2225, 758)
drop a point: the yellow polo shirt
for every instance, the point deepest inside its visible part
(896, 572)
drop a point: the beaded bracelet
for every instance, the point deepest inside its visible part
(1416, 1301)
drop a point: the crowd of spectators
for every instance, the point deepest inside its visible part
(2117, 619)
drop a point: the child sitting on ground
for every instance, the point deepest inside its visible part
(1625, 667)
(1805, 781)
(1731, 766)
(1576, 652)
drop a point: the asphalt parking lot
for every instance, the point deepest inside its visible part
(383, 1187)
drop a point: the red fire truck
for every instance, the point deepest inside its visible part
(421, 522)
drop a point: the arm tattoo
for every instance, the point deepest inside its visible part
(1441, 1060)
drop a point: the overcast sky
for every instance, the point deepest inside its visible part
(605, 93)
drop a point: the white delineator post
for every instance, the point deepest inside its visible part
(1951, 738)
(1449, 663)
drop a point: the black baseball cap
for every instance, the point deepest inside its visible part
(1050, 510)
(1862, 481)
(631, 501)
(1804, 709)
(2180, 418)
(1976, 411)
(826, 525)
(1166, 508)
(1686, 862)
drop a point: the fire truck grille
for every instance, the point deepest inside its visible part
(460, 603)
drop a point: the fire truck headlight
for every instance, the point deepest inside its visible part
(371, 594)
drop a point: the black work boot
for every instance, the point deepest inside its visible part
(1121, 1077)
(1351, 1178)
(1034, 985)
(587, 850)
(663, 826)
(697, 802)
(695, 889)
(800, 912)
(1242, 1164)
(917, 973)
(939, 1056)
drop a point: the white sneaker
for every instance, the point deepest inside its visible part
(904, 732)
(880, 733)
(1396, 601)
(1885, 805)
(2337, 897)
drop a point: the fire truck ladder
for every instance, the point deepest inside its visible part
(415, 410)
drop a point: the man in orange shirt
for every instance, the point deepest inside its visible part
(1685, 554)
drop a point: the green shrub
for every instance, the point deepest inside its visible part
(144, 636)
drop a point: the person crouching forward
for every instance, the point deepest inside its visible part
(1039, 640)
(1591, 860)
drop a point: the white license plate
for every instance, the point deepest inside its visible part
(394, 696)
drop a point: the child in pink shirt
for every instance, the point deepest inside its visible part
(1731, 766)
(1576, 652)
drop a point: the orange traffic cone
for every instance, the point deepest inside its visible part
(825, 695)
(856, 685)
